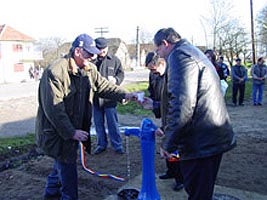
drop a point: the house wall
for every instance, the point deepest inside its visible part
(15, 61)
(123, 55)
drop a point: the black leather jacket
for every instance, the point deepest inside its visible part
(198, 124)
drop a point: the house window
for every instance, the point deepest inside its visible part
(17, 48)
(18, 67)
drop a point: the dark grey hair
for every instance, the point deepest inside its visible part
(168, 34)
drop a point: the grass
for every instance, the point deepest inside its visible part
(133, 107)
(11, 144)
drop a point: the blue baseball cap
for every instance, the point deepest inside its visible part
(87, 43)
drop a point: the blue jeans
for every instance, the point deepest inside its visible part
(63, 180)
(110, 114)
(257, 88)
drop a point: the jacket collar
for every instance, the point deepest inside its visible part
(73, 68)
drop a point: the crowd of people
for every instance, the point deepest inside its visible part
(183, 84)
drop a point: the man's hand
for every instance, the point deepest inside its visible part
(80, 135)
(112, 79)
(159, 132)
(165, 154)
(131, 96)
(147, 103)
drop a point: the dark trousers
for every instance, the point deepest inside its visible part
(241, 89)
(173, 169)
(63, 181)
(199, 176)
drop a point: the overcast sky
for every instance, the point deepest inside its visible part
(68, 18)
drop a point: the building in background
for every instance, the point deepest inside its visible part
(17, 55)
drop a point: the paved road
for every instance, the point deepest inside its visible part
(18, 104)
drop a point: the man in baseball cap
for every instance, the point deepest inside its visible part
(65, 96)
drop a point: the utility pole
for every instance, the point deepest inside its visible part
(137, 47)
(101, 30)
(252, 33)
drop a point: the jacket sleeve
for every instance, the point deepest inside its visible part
(182, 92)
(118, 71)
(51, 98)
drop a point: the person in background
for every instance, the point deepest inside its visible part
(197, 121)
(63, 119)
(109, 67)
(224, 68)
(212, 57)
(259, 74)
(239, 78)
(157, 67)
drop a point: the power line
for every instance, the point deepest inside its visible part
(101, 30)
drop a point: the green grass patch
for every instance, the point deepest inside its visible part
(133, 107)
(11, 143)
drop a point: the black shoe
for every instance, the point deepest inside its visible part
(52, 197)
(119, 151)
(241, 104)
(99, 150)
(178, 187)
(166, 176)
(259, 104)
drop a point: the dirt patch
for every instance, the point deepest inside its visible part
(244, 168)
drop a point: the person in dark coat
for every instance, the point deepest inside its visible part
(105, 110)
(239, 79)
(197, 121)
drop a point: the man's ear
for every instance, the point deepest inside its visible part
(165, 43)
(77, 51)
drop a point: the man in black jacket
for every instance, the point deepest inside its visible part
(110, 67)
(197, 121)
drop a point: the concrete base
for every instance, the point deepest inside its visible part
(164, 188)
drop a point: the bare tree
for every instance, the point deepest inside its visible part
(234, 42)
(262, 31)
(217, 18)
(229, 38)
(50, 48)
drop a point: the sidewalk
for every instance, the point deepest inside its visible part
(166, 193)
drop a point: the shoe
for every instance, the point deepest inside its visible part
(241, 104)
(259, 104)
(99, 150)
(166, 176)
(255, 104)
(178, 187)
(52, 197)
(119, 151)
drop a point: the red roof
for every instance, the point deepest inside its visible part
(7, 33)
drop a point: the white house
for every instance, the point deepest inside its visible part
(17, 54)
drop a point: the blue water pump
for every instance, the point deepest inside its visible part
(147, 138)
